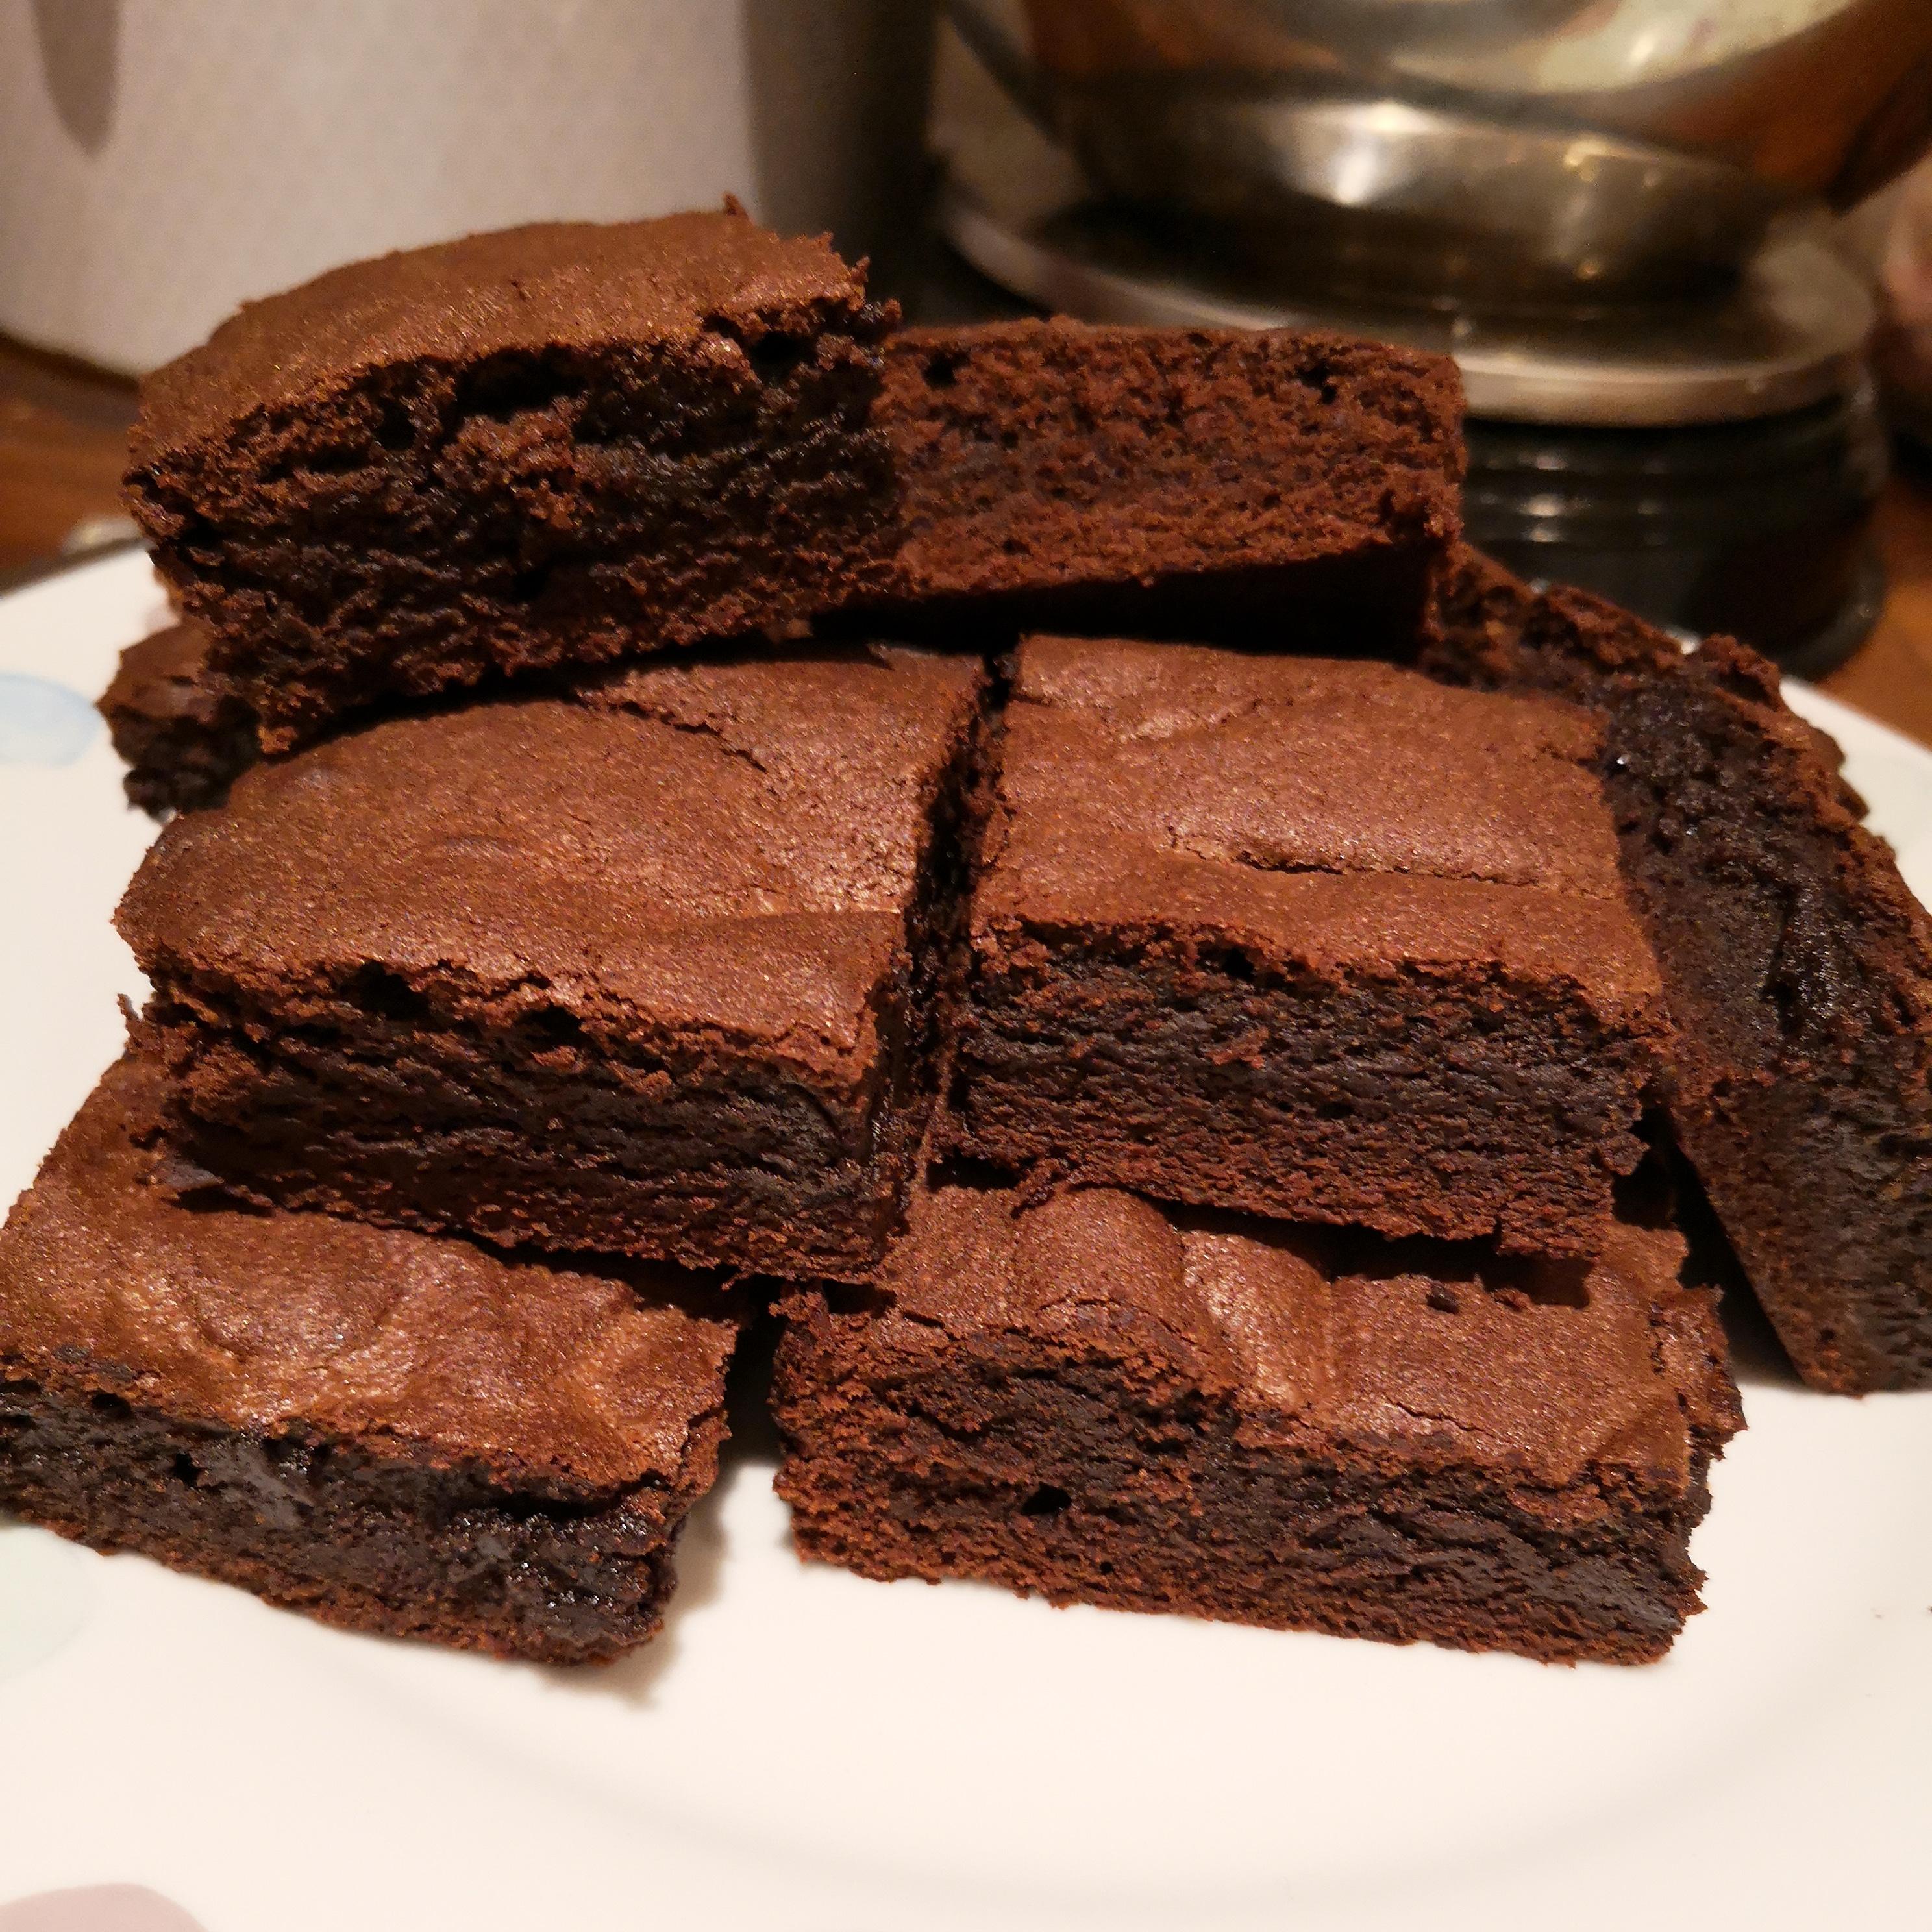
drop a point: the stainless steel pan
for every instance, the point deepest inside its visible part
(1506, 152)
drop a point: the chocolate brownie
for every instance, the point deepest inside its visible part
(1796, 962)
(1315, 939)
(184, 736)
(648, 971)
(383, 1430)
(1171, 482)
(1100, 1402)
(552, 445)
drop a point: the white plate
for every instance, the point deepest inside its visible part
(806, 1751)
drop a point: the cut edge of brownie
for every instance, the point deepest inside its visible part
(1034, 494)
(573, 497)
(1797, 963)
(734, 1173)
(1103, 1441)
(1036, 1073)
(337, 1505)
(1072, 1018)
(398, 1545)
(808, 1205)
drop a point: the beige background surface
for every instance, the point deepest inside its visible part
(161, 160)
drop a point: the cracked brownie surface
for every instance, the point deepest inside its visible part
(391, 1431)
(1100, 1401)
(648, 971)
(1313, 939)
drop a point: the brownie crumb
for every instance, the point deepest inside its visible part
(185, 737)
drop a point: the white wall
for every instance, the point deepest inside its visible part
(160, 159)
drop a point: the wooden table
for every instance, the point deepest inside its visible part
(1891, 675)
(63, 430)
(63, 444)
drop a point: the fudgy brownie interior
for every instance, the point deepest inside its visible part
(389, 1431)
(1797, 963)
(553, 444)
(1301, 938)
(650, 971)
(1295, 487)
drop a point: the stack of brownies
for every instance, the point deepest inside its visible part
(1191, 1111)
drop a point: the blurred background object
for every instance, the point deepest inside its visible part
(1894, 231)
(161, 160)
(1616, 214)
(1828, 97)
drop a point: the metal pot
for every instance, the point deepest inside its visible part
(1489, 152)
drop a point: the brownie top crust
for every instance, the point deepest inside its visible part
(261, 1322)
(166, 677)
(712, 845)
(1542, 1369)
(1331, 815)
(689, 279)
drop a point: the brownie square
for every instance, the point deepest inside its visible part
(553, 444)
(1097, 1401)
(386, 1431)
(1317, 940)
(1295, 487)
(648, 971)
(1796, 962)
(184, 736)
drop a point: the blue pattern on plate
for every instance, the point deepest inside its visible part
(43, 723)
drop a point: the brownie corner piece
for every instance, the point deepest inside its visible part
(386, 1431)
(1094, 1400)
(1312, 939)
(1173, 481)
(649, 969)
(1796, 960)
(609, 438)
(183, 736)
